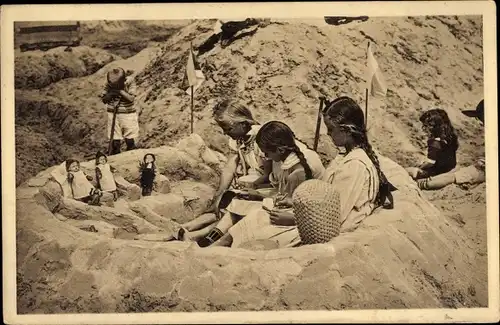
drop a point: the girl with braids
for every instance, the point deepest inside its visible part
(292, 164)
(246, 167)
(442, 145)
(356, 172)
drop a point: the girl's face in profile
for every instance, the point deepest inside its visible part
(102, 160)
(148, 159)
(339, 137)
(276, 154)
(74, 167)
(233, 129)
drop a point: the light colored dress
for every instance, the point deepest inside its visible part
(285, 176)
(252, 159)
(106, 178)
(81, 187)
(356, 179)
(251, 163)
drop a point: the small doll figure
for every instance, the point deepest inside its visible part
(104, 173)
(81, 188)
(148, 172)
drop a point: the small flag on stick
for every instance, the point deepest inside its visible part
(375, 82)
(195, 78)
(194, 75)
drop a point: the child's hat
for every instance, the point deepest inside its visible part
(116, 76)
(477, 113)
(316, 206)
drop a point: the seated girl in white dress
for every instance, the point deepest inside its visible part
(293, 163)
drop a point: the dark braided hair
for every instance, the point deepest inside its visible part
(439, 125)
(345, 112)
(274, 135)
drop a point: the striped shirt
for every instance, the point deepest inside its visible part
(124, 105)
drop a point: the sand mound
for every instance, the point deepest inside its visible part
(127, 37)
(68, 114)
(37, 69)
(427, 61)
(76, 258)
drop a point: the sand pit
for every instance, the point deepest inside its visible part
(72, 257)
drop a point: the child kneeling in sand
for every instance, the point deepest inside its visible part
(81, 188)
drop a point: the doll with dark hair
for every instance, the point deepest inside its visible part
(148, 172)
(81, 188)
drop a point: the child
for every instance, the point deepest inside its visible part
(470, 175)
(292, 164)
(355, 173)
(104, 175)
(119, 94)
(81, 189)
(246, 160)
(148, 172)
(442, 145)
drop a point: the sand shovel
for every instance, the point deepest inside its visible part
(113, 123)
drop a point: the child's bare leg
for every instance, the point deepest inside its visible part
(224, 241)
(217, 232)
(436, 182)
(226, 222)
(198, 234)
(200, 222)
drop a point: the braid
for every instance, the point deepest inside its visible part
(384, 189)
(303, 162)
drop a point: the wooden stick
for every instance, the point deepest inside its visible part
(318, 123)
(366, 92)
(113, 123)
(192, 109)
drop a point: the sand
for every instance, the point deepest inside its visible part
(427, 61)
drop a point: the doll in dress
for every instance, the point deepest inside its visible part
(147, 169)
(105, 175)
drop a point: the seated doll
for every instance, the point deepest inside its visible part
(104, 175)
(81, 189)
(147, 169)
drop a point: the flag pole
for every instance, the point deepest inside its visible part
(366, 91)
(192, 109)
(318, 123)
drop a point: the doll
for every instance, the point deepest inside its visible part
(148, 172)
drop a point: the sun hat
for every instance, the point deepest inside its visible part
(316, 206)
(477, 113)
(116, 77)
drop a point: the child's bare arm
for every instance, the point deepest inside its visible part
(127, 96)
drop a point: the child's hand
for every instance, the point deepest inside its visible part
(285, 202)
(282, 218)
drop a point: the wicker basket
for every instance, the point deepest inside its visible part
(316, 206)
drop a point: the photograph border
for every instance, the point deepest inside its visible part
(281, 10)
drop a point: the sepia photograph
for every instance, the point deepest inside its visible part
(186, 161)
